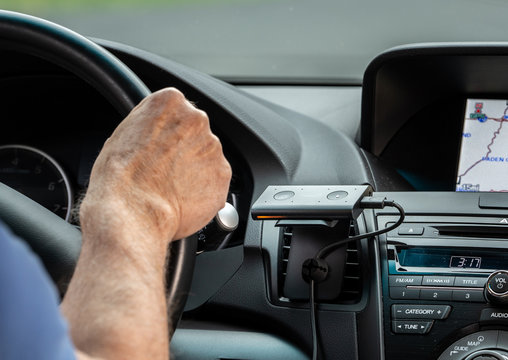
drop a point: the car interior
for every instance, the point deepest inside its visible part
(407, 190)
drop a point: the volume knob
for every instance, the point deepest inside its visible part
(496, 288)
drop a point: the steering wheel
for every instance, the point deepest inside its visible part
(55, 241)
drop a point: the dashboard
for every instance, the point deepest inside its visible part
(421, 290)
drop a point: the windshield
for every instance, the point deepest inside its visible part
(275, 40)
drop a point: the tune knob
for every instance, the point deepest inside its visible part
(496, 288)
(494, 354)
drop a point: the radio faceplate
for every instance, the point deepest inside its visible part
(434, 275)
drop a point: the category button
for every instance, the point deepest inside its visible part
(438, 280)
(411, 327)
(427, 312)
(471, 282)
(405, 280)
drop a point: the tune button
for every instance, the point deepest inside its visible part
(411, 327)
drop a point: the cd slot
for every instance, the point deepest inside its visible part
(473, 231)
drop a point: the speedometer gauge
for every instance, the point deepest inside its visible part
(38, 176)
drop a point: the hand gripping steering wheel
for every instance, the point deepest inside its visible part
(55, 241)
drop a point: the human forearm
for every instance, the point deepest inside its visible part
(161, 176)
(116, 304)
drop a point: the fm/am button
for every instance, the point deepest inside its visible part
(405, 280)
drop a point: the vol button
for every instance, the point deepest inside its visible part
(496, 289)
(498, 283)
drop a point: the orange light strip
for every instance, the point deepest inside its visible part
(271, 217)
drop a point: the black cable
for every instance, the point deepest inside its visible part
(324, 251)
(328, 248)
(313, 320)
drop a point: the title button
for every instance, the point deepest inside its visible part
(470, 282)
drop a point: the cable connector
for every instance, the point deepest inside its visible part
(373, 202)
(315, 269)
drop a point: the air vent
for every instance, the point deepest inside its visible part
(352, 283)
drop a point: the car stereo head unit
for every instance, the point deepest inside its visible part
(447, 249)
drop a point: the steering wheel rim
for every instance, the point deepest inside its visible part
(54, 240)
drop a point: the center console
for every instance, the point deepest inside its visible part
(445, 277)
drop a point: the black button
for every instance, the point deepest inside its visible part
(468, 295)
(472, 282)
(438, 280)
(499, 283)
(440, 295)
(405, 280)
(400, 293)
(428, 312)
(499, 316)
(411, 327)
(410, 230)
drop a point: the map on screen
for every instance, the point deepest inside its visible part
(483, 161)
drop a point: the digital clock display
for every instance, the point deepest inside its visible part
(465, 262)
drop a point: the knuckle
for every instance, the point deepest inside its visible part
(201, 119)
(171, 92)
(226, 172)
(167, 97)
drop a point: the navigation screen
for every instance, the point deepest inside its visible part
(483, 162)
